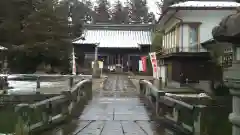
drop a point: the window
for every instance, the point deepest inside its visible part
(237, 53)
(163, 41)
(167, 41)
(174, 38)
(170, 39)
(193, 36)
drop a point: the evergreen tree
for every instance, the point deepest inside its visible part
(102, 11)
(119, 14)
(35, 31)
(138, 10)
(157, 43)
(80, 13)
(47, 34)
(12, 13)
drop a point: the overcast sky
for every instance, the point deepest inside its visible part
(151, 5)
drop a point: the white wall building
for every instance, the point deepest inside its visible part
(185, 25)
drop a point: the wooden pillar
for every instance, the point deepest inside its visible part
(108, 61)
(119, 59)
(96, 73)
(112, 59)
(128, 60)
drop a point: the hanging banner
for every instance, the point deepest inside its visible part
(73, 63)
(154, 63)
(140, 66)
(144, 63)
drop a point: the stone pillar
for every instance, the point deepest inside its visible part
(176, 115)
(232, 80)
(197, 122)
(141, 87)
(38, 83)
(71, 82)
(96, 73)
(160, 83)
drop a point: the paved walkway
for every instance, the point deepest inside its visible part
(115, 110)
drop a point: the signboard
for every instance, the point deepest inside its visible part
(154, 63)
(227, 58)
(100, 63)
(92, 64)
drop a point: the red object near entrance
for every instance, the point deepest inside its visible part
(144, 63)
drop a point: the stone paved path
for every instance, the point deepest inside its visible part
(116, 110)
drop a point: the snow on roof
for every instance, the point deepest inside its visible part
(3, 48)
(217, 4)
(116, 38)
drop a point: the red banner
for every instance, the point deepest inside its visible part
(154, 63)
(144, 63)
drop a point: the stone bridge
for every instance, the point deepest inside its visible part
(114, 110)
(123, 106)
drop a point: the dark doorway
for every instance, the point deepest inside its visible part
(134, 63)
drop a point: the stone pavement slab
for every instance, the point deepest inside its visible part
(113, 114)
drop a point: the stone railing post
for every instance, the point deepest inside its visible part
(175, 114)
(5, 82)
(232, 80)
(68, 105)
(151, 81)
(88, 90)
(22, 124)
(38, 83)
(197, 123)
(1, 83)
(166, 82)
(45, 114)
(66, 109)
(157, 104)
(70, 82)
(141, 86)
(186, 80)
(160, 83)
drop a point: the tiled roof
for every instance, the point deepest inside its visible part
(220, 4)
(116, 38)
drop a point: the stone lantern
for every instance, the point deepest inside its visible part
(229, 31)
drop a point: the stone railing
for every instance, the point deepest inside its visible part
(45, 77)
(45, 114)
(184, 115)
(151, 92)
